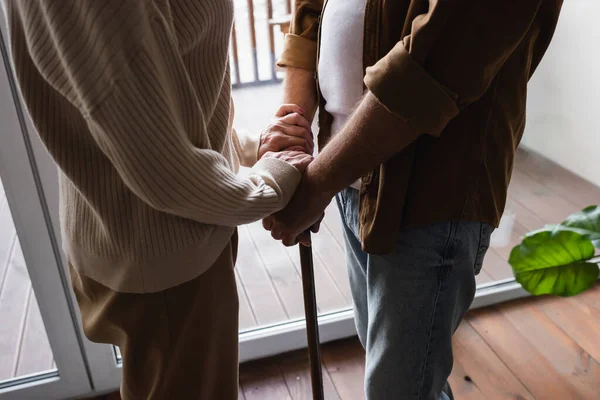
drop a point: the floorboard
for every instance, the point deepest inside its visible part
(509, 351)
(247, 318)
(527, 218)
(329, 296)
(560, 180)
(516, 235)
(521, 356)
(495, 266)
(345, 363)
(35, 355)
(483, 278)
(547, 205)
(284, 277)
(8, 239)
(255, 279)
(578, 320)
(591, 299)
(13, 310)
(479, 373)
(566, 356)
(264, 382)
(333, 223)
(296, 372)
(326, 249)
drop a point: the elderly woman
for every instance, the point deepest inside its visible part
(132, 100)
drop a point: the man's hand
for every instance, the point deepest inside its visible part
(290, 130)
(303, 238)
(299, 87)
(305, 210)
(364, 142)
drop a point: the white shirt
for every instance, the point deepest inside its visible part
(341, 59)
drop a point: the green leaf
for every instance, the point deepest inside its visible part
(553, 261)
(587, 223)
(567, 280)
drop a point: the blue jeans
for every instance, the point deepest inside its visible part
(408, 304)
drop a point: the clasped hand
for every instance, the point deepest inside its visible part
(291, 136)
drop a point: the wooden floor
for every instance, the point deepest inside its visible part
(542, 348)
(537, 348)
(268, 274)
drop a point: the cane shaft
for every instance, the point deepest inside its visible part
(312, 327)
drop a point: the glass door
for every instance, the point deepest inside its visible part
(40, 350)
(555, 174)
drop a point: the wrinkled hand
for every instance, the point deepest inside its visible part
(297, 159)
(290, 130)
(304, 239)
(305, 211)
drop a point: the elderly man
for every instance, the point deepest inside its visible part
(422, 105)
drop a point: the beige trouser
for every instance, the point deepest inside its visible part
(180, 343)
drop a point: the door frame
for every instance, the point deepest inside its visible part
(27, 201)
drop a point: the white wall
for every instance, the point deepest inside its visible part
(563, 121)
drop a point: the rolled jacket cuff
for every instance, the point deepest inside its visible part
(407, 90)
(298, 52)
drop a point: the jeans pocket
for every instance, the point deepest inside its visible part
(485, 233)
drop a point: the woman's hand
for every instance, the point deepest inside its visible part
(297, 159)
(290, 130)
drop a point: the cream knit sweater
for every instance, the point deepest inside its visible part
(132, 100)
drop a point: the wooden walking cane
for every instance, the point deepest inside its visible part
(312, 326)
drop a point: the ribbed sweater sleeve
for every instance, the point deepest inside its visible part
(120, 64)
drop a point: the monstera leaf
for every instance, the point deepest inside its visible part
(587, 223)
(555, 261)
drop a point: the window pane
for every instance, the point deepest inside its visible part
(24, 346)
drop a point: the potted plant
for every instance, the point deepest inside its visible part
(560, 259)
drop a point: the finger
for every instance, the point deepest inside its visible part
(300, 163)
(321, 218)
(297, 131)
(286, 109)
(296, 158)
(292, 129)
(271, 154)
(316, 227)
(268, 222)
(304, 162)
(296, 149)
(296, 119)
(289, 240)
(298, 154)
(276, 233)
(296, 142)
(304, 239)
